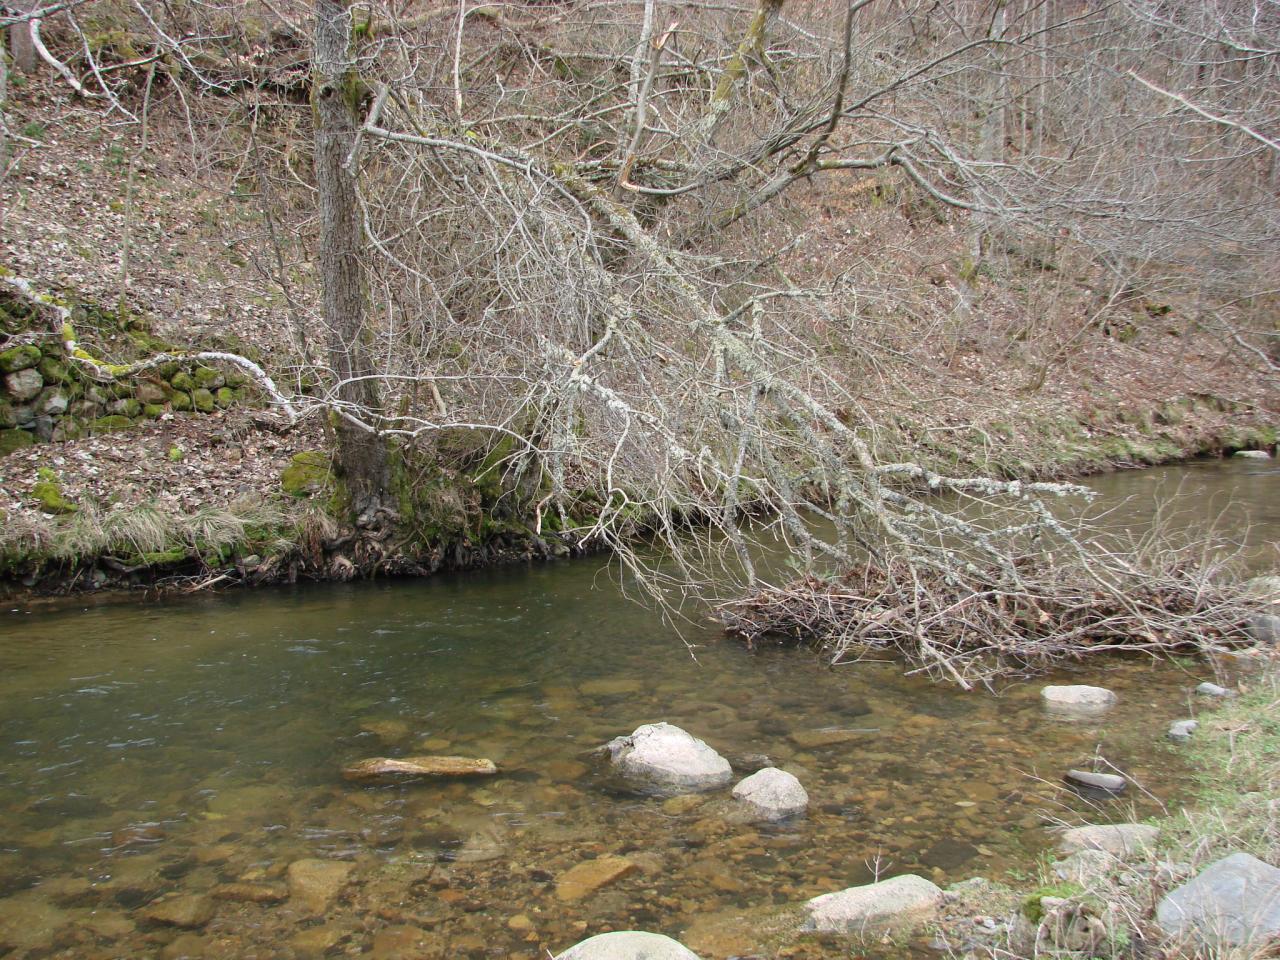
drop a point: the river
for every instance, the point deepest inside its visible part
(192, 747)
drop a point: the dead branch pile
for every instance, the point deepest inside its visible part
(970, 631)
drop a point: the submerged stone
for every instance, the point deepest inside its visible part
(315, 884)
(903, 901)
(380, 768)
(1077, 699)
(1235, 900)
(186, 911)
(589, 876)
(628, 945)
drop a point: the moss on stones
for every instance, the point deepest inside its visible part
(203, 400)
(225, 397)
(152, 410)
(110, 424)
(21, 357)
(11, 440)
(55, 371)
(181, 400)
(209, 378)
(48, 491)
(308, 472)
(183, 381)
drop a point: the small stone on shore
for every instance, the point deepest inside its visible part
(1208, 689)
(1119, 839)
(1182, 730)
(898, 903)
(1235, 900)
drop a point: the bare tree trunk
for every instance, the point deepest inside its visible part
(337, 94)
(20, 45)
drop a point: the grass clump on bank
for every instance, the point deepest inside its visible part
(141, 537)
(1236, 753)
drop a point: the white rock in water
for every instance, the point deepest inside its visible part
(900, 902)
(669, 759)
(1077, 699)
(628, 945)
(1208, 689)
(1182, 729)
(1088, 781)
(1120, 839)
(772, 794)
(1252, 455)
(1235, 900)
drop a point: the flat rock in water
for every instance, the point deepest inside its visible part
(628, 945)
(1077, 699)
(1109, 783)
(315, 884)
(251, 892)
(668, 759)
(590, 875)
(1235, 900)
(1119, 839)
(187, 911)
(772, 794)
(379, 768)
(1208, 689)
(814, 739)
(1182, 729)
(1251, 455)
(901, 902)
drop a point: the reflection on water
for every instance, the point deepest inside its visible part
(193, 749)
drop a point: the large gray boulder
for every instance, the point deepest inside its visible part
(628, 945)
(898, 903)
(1264, 628)
(1077, 700)
(1119, 839)
(772, 794)
(1235, 900)
(669, 760)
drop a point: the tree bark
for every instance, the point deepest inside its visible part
(20, 45)
(337, 97)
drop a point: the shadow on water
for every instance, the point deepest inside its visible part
(179, 747)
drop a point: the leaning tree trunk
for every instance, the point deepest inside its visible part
(337, 95)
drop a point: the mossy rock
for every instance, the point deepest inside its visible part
(183, 381)
(236, 379)
(110, 424)
(68, 428)
(11, 440)
(55, 371)
(168, 370)
(126, 407)
(225, 397)
(209, 378)
(20, 357)
(152, 410)
(181, 400)
(8, 420)
(203, 400)
(1032, 908)
(308, 472)
(48, 491)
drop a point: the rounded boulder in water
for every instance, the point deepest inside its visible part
(628, 945)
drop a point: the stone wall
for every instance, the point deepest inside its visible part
(45, 397)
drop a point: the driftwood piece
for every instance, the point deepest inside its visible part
(383, 768)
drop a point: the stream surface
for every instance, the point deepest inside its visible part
(193, 749)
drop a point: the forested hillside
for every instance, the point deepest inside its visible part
(391, 287)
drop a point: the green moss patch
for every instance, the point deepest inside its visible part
(48, 491)
(308, 472)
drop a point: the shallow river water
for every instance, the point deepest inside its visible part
(162, 765)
